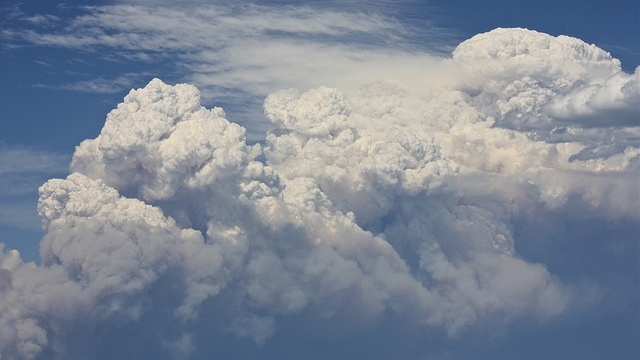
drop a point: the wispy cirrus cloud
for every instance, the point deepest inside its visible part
(22, 171)
(99, 85)
(16, 160)
(162, 29)
(247, 48)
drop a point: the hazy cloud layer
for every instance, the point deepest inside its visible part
(238, 54)
(18, 160)
(22, 171)
(99, 85)
(395, 201)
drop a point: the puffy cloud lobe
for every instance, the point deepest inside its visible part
(370, 171)
(380, 204)
(359, 169)
(612, 103)
(161, 139)
(20, 333)
(116, 247)
(504, 54)
(522, 70)
(315, 113)
(101, 255)
(528, 105)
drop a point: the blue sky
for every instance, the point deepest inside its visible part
(65, 66)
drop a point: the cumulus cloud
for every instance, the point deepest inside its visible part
(360, 206)
(612, 103)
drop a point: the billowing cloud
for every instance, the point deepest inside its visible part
(612, 103)
(396, 201)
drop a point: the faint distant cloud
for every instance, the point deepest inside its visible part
(99, 85)
(43, 63)
(160, 29)
(23, 170)
(21, 215)
(42, 19)
(14, 159)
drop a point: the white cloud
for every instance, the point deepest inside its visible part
(612, 103)
(282, 242)
(163, 29)
(393, 196)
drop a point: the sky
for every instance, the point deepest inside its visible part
(331, 179)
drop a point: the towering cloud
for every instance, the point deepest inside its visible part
(385, 204)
